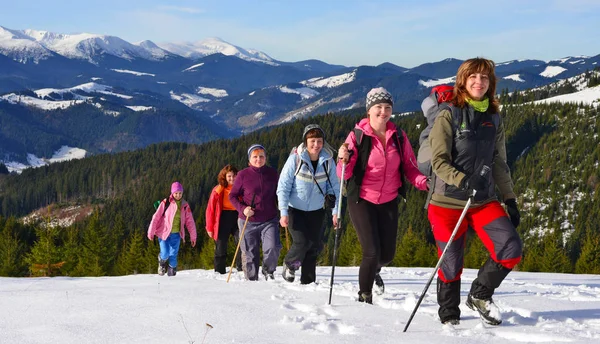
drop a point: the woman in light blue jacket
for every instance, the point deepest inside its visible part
(307, 188)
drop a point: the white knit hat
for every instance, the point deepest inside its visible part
(378, 95)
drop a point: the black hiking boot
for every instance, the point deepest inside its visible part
(366, 297)
(289, 274)
(451, 322)
(162, 266)
(268, 275)
(379, 284)
(172, 271)
(488, 311)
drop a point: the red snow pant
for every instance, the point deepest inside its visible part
(493, 227)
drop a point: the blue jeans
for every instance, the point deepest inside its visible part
(170, 248)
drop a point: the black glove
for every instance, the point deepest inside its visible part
(474, 182)
(513, 211)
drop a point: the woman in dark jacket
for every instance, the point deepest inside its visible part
(254, 196)
(461, 159)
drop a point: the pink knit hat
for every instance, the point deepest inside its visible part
(176, 187)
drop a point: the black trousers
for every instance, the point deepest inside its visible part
(227, 227)
(305, 228)
(377, 229)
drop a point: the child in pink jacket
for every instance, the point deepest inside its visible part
(168, 224)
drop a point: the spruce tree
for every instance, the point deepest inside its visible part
(350, 251)
(12, 251)
(555, 258)
(589, 260)
(45, 258)
(131, 259)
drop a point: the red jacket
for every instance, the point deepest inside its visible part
(213, 211)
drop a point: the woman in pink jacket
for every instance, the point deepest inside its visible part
(377, 155)
(168, 224)
(221, 218)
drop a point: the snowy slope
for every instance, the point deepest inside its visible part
(65, 153)
(537, 308)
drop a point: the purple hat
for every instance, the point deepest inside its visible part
(176, 187)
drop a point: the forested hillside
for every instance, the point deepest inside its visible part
(554, 152)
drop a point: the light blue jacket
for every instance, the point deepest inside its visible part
(297, 188)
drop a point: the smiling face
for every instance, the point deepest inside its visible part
(477, 85)
(177, 195)
(475, 79)
(314, 146)
(230, 177)
(379, 114)
(258, 158)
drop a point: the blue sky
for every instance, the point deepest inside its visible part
(348, 32)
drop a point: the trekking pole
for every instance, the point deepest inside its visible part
(337, 231)
(287, 239)
(240, 241)
(484, 171)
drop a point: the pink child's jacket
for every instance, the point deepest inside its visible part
(381, 179)
(161, 226)
(213, 211)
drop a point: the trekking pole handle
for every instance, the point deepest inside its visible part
(339, 199)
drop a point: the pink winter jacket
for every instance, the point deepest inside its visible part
(161, 226)
(381, 180)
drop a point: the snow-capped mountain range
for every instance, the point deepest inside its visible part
(33, 45)
(126, 89)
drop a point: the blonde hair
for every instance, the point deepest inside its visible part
(472, 66)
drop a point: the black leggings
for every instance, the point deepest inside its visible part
(227, 227)
(305, 228)
(377, 229)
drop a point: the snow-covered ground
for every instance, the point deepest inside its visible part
(537, 308)
(332, 81)
(431, 83)
(587, 96)
(65, 153)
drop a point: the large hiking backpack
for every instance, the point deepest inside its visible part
(363, 147)
(438, 99)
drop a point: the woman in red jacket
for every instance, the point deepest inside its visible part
(221, 218)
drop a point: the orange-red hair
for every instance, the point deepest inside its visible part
(222, 178)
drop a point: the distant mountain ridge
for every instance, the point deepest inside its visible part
(225, 89)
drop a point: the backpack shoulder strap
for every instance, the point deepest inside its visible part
(299, 161)
(326, 167)
(358, 133)
(167, 204)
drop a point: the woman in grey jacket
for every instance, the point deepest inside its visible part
(308, 178)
